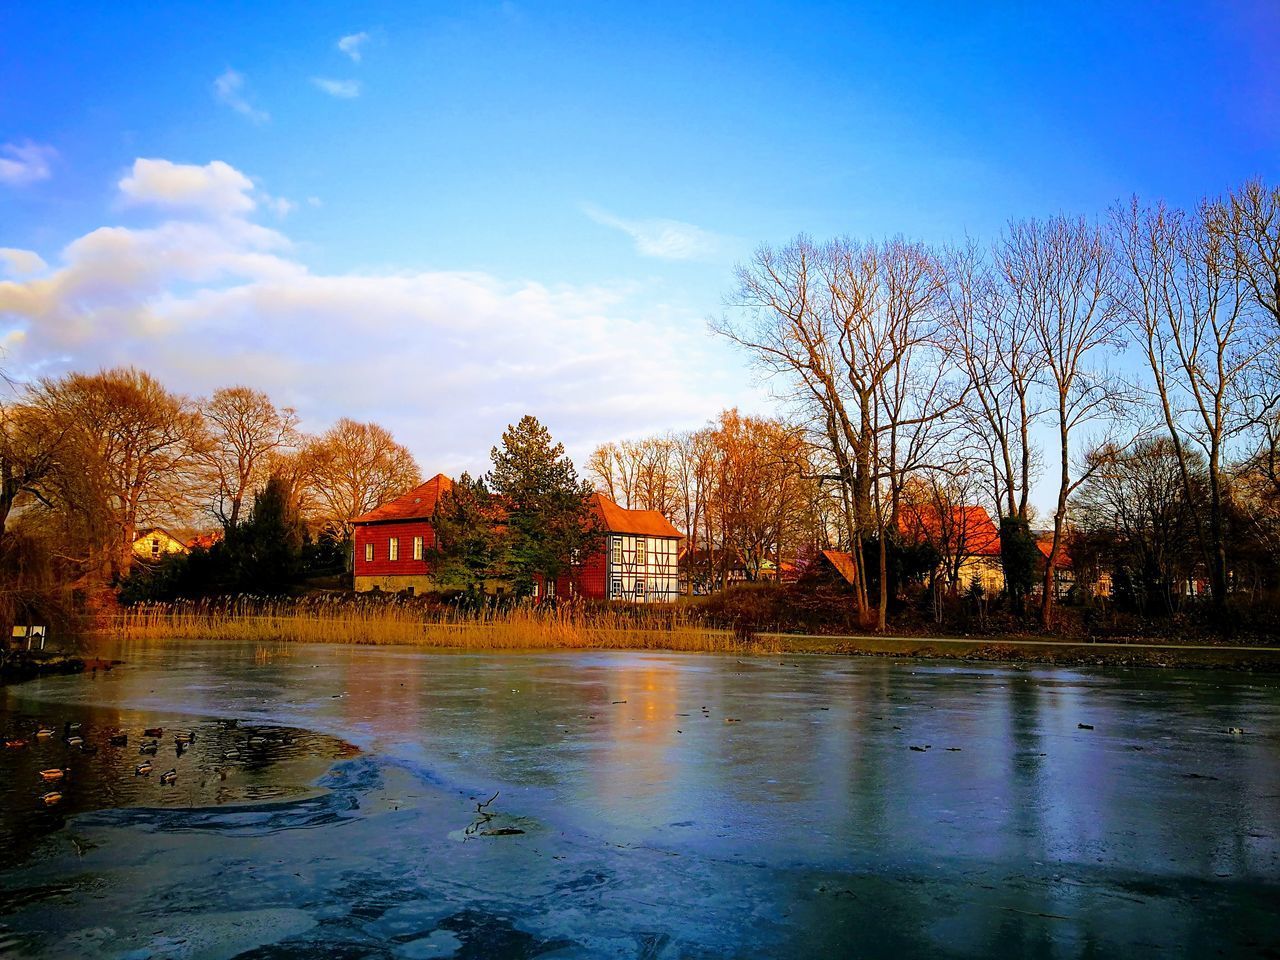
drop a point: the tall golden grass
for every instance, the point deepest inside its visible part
(513, 628)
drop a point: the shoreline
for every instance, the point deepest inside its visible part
(1012, 650)
(1026, 651)
(20, 665)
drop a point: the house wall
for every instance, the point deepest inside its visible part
(988, 571)
(419, 583)
(589, 581)
(612, 573)
(655, 578)
(382, 566)
(156, 544)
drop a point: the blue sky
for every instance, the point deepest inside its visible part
(466, 212)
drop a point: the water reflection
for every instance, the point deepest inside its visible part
(1005, 810)
(101, 758)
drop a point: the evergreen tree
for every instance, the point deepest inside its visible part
(468, 525)
(1020, 557)
(264, 553)
(549, 517)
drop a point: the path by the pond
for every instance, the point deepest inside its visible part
(655, 805)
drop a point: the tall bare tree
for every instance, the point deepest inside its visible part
(845, 326)
(998, 355)
(1249, 217)
(1189, 316)
(1059, 272)
(32, 449)
(245, 428)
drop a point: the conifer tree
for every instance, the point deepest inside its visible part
(549, 517)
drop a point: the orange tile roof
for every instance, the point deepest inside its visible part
(970, 527)
(1045, 546)
(645, 523)
(205, 540)
(842, 561)
(418, 504)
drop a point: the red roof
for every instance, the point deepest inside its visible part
(205, 540)
(418, 504)
(1046, 546)
(644, 523)
(969, 528)
(843, 562)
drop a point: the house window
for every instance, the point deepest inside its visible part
(639, 589)
(640, 543)
(368, 553)
(617, 588)
(417, 548)
(155, 546)
(616, 543)
(393, 548)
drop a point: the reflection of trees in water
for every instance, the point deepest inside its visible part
(283, 765)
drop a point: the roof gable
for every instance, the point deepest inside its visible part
(417, 504)
(842, 561)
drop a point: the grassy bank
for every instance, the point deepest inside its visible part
(658, 628)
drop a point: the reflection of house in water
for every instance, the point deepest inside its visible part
(636, 737)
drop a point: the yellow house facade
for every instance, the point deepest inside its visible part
(155, 543)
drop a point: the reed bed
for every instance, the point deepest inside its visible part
(392, 622)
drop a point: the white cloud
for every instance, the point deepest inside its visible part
(445, 358)
(351, 44)
(26, 162)
(230, 88)
(664, 239)
(342, 89)
(217, 188)
(21, 263)
(280, 206)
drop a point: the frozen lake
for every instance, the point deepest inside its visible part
(647, 805)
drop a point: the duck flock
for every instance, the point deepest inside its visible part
(54, 781)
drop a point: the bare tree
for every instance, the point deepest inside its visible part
(693, 459)
(245, 429)
(1059, 274)
(31, 450)
(1249, 217)
(353, 468)
(139, 444)
(1190, 318)
(998, 355)
(845, 327)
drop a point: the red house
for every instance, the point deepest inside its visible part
(637, 561)
(391, 542)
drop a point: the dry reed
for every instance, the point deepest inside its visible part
(387, 623)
